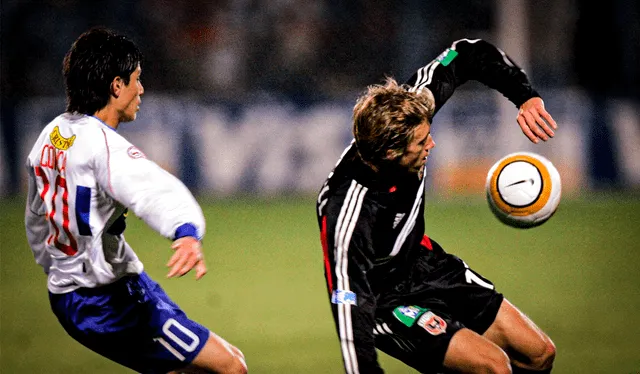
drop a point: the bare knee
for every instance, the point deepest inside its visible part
(236, 365)
(469, 352)
(240, 363)
(544, 356)
(538, 355)
(497, 362)
(529, 347)
(233, 363)
(494, 361)
(218, 356)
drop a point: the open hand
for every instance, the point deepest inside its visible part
(536, 123)
(188, 255)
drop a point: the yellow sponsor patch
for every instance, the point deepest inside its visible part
(59, 141)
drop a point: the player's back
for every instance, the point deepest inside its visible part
(83, 226)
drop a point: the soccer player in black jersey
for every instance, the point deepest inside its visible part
(392, 287)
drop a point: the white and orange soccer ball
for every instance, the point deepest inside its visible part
(523, 189)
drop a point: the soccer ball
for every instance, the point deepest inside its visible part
(523, 189)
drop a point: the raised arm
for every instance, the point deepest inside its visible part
(481, 61)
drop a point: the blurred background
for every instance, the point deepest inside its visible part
(249, 103)
(256, 96)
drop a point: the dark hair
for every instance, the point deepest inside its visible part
(385, 118)
(94, 60)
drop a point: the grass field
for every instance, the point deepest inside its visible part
(577, 276)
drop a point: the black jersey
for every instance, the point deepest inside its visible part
(372, 225)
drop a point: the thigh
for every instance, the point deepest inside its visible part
(132, 322)
(430, 341)
(469, 352)
(526, 343)
(173, 340)
(470, 298)
(419, 336)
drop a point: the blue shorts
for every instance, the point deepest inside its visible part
(132, 322)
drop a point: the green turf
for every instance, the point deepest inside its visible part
(577, 276)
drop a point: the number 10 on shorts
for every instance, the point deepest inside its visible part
(178, 340)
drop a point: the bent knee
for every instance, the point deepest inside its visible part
(470, 353)
(496, 363)
(218, 356)
(544, 356)
(237, 366)
(234, 363)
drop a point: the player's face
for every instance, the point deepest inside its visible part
(415, 155)
(130, 97)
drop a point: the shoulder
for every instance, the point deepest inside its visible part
(56, 135)
(97, 134)
(468, 43)
(463, 47)
(82, 128)
(351, 195)
(90, 137)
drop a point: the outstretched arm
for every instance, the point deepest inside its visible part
(534, 120)
(157, 197)
(482, 61)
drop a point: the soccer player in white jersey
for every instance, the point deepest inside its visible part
(83, 179)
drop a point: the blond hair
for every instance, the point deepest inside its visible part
(385, 118)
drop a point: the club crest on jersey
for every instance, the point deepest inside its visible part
(434, 324)
(134, 152)
(59, 141)
(408, 314)
(343, 297)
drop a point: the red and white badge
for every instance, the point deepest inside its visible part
(134, 152)
(432, 323)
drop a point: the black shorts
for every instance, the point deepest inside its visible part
(441, 296)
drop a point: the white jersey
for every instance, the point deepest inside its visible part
(83, 178)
